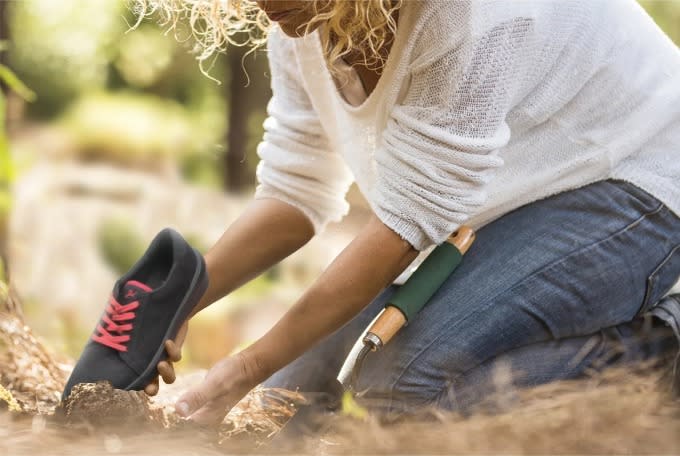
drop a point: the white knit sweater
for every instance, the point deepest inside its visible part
(483, 106)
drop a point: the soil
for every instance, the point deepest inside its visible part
(101, 405)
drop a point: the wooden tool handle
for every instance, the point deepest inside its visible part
(390, 322)
(420, 287)
(462, 239)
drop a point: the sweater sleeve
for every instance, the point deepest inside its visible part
(297, 166)
(440, 147)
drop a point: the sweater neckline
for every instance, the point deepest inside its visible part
(387, 74)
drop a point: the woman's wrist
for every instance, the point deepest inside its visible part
(256, 370)
(210, 295)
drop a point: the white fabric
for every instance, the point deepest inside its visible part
(349, 84)
(483, 106)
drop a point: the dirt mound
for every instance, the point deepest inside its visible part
(101, 405)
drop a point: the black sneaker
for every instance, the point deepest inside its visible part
(147, 307)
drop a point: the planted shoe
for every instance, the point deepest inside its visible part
(147, 307)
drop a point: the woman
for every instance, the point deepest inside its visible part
(551, 127)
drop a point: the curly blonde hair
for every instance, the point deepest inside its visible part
(349, 26)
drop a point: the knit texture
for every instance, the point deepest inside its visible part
(483, 106)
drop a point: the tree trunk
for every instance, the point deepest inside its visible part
(235, 166)
(4, 36)
(4, 93)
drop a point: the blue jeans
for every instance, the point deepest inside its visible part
(549, 291)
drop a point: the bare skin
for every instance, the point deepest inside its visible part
(272, 230)
(371, 261)
(292, 15)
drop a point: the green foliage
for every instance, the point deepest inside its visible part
(6, 165)
(8, 77)
(129, 129)
(145, 131)
(144, 55)
(350, 407)
(7, 398)
(76, 53)
(119, 244)
(204, 169)
(63, 48)
(667, 15)
(12, 81)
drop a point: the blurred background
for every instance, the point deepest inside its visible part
(117, 134)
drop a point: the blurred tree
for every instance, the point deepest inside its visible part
(239, 111)
(6, 169)
(4, 45)
(247, 93)
(4, 33)
(9, 80)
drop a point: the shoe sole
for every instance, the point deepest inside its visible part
(199, 284)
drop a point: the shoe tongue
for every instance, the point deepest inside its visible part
(132, 291)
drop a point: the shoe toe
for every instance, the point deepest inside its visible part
(100, 363)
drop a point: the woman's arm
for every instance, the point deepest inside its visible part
(366, 266)
(268, 231)
(302, 184)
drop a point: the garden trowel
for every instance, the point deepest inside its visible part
(406, 302)
(400, 309)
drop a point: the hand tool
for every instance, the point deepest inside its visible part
(401, 308)
(407, 302)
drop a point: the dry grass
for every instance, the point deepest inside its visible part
(32, 374)
(621, 412)
(617, 413)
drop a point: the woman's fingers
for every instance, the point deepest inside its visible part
(167, 371)
(173, 350)
(165, 368)
(152, 388)
(194, 399)
(212, 413)
(224, 385)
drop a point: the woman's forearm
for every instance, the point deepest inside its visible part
(268, 231)
(366, 266)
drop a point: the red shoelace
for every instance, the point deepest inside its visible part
(116, 314)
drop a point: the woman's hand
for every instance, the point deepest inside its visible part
(165, 368)
(224, 385)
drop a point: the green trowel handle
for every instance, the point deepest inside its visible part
(423, 283)
(426, 280)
